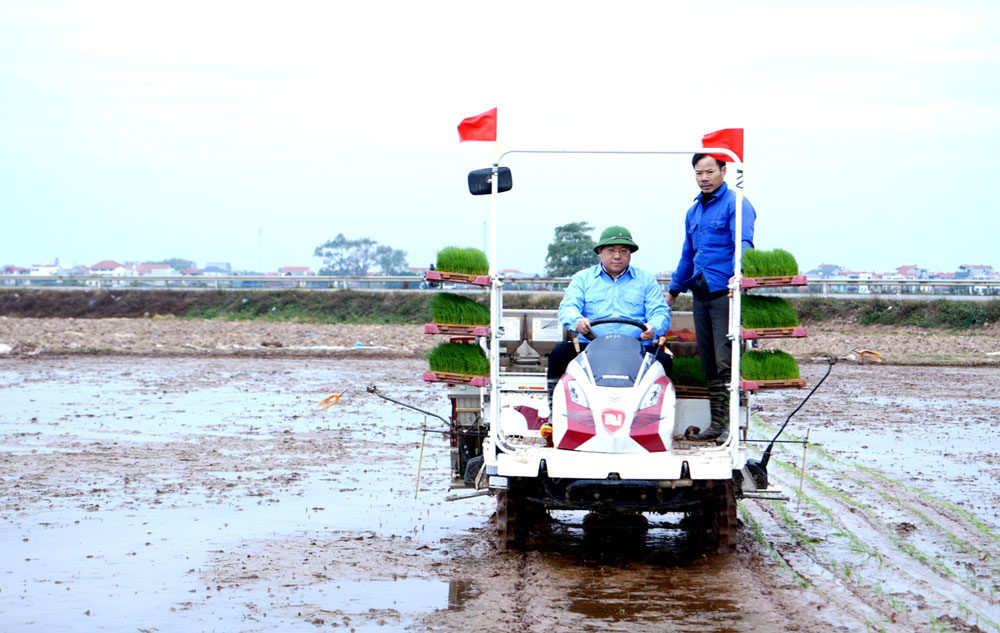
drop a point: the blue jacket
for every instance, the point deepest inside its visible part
(709, 240)
(595, 295)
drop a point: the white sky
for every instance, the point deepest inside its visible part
(142, 131)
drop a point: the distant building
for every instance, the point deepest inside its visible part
(973, 271)
(912, 272)
(11, 269)
(826, 271)
(214, 266)
(108, 267)
(295, 271)
(153, 269)
(44, 270)
(214, 271)
(190, 271)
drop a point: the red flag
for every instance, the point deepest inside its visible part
(730, 138)
(482, 127)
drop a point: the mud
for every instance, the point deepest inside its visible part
(147, 493)
(215, 337)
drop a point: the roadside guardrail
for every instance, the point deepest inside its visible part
(816, 286)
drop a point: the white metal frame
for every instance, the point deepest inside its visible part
(496, 284)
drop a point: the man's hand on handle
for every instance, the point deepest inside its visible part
(583, 326)
(648, 333)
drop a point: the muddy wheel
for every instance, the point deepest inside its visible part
(720, 512)
(506, 520)
(514, 518)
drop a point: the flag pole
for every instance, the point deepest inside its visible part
(496, 308)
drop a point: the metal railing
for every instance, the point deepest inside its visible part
(815, 287)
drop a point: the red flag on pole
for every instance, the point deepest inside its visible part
(482, 127)
(730, 138)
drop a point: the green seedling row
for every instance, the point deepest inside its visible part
(447, 307)
(901, 544)
(469, 261)
(855, 545)
(776, 263)
(968, 516)
(688, 371)
(763, 312)
(758, 535)
(459, 358)
(768, 365)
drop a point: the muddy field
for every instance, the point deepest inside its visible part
(209, 492)
(173, 337)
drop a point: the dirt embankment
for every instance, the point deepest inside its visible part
(215, 337)
(172, 337)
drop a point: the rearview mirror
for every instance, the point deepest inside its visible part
(481, 183)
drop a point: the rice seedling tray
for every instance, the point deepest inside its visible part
(461, 379)
(691, 391)
(457, 329)
(766, 282)
(774, 332)
(754, 385)
(459, 278)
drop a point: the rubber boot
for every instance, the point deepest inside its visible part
(718, 402)
(551, 384)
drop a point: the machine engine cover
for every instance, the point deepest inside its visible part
(613, 399)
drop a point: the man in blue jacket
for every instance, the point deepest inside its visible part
(706, 266)
(611, 289)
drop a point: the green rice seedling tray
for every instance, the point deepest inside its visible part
(448, 307)
(687, 371)
(469, 261)
(768, 365)
(459, 358)
(453, 378)
(774, 332)
(457, 329)
(777, 262)
(458, 278)
(767, 312)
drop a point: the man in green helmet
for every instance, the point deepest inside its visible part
(612, 289)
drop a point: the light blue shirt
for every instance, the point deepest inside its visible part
(634, 295)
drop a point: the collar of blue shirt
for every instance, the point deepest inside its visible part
(598, 269)
(717, 194)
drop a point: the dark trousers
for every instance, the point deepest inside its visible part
(564, 353)
(711, 326)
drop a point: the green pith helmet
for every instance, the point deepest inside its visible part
(616, 235)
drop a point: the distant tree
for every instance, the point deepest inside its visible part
(392, 261)
(343, 256)
(571, 250)
(176, 263)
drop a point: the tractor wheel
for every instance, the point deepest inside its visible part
(720, 512)
(514, 518)
(506, 520)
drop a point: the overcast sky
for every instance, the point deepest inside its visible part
(251, 132)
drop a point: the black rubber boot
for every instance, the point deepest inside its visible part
(718, 402)
(551, 384)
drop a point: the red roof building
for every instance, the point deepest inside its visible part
(152, 269)
(106, 265)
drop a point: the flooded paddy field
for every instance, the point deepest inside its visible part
(201, 494)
